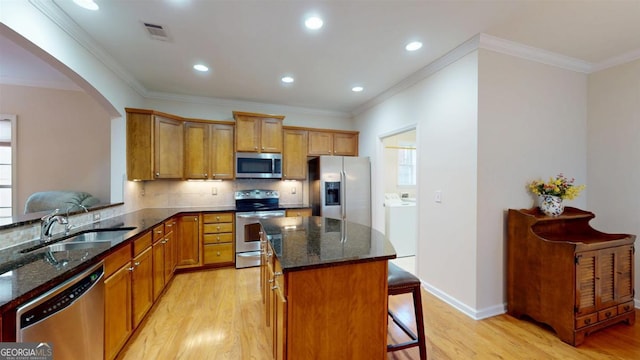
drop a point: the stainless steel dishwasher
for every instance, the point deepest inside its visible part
(69, 317)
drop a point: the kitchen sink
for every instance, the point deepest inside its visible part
(64, 246)
(99, 235)
(85, 240)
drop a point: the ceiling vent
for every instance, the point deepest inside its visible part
(157, 32)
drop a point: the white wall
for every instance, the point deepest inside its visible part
(614, 152)
(532, 124)
(63, 141)
(444, 107)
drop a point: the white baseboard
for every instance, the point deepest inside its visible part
(464, 308)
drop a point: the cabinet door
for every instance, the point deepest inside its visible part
(279, 324)
(271, 135)
(196, 150)
(320, 143)
(586, 282)
(624, 281)
(158, 268)
(294, 155)
(169, 256)
(168, 148)
(247, 134)
(345, 144)
(189, 254)
(605, 281)
(139, 146)
(117, 311)
(222, 154)
(142, 285)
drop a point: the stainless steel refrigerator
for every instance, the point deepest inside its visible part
(340, 188)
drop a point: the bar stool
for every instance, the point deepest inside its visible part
(402, 282)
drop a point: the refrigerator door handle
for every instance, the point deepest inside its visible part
(343, 194)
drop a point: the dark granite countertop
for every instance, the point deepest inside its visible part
(26, 275)
(314, 242)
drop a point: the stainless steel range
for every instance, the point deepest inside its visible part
(251, 206)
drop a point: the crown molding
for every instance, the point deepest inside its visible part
(512, 48)
(66, 24)
(617, 60)
(447, 59)
(239, 104)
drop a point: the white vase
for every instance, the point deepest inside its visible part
(550, 205)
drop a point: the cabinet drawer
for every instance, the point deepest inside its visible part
(626, 307)
(217, 218)
(169, 225)
(218, 253)
(117, 260)
(218, 228)
(158, 232)
(607, 313)
(586, 320)
(218, 238)
(141, 243)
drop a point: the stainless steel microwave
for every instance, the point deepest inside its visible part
(258, 166)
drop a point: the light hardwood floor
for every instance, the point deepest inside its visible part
(217, 314)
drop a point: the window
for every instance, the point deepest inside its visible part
(7, 163)
(406, 164)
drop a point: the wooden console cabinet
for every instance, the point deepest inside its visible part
(564, 273)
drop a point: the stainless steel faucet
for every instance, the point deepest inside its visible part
(46, 225)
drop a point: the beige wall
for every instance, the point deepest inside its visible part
(614, 152)
(63, 141)
(531, 124)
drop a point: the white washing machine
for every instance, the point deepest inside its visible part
(401, 222)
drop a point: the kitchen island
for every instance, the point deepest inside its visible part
(324, 286)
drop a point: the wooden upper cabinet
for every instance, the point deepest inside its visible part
(208, 150)
(154, 145)
(222, 153)
(196, 150)
(258, 132)
(333, 143)
(294, 155)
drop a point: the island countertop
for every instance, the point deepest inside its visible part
(302, 243)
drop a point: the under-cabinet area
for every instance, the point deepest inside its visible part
(566, 274)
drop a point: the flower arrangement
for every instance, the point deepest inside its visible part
(560, 186)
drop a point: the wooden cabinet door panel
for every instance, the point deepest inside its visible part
(345, 144)
(158, 268)
(624, 280)
(586, 282)
(294, 155)
(188, 245)
(169, 256)
(168, 153)
(142, 285)
(320, 143)
(139, 147)
(196, 150)
(605, 284)
(222, 152)
(247, 134)
(117, 311)
(271, 135)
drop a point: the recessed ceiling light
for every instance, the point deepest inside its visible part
(413, 46)
(287, 79)
(200, 67)
(87, 4)
(357, 88)
(313, 23)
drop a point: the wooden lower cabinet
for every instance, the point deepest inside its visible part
(118, 301)
(298, 212)
(189, 252)
(336, 312)
(142, 284)
(218, 237)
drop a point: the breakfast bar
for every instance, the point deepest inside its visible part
(324, 288)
